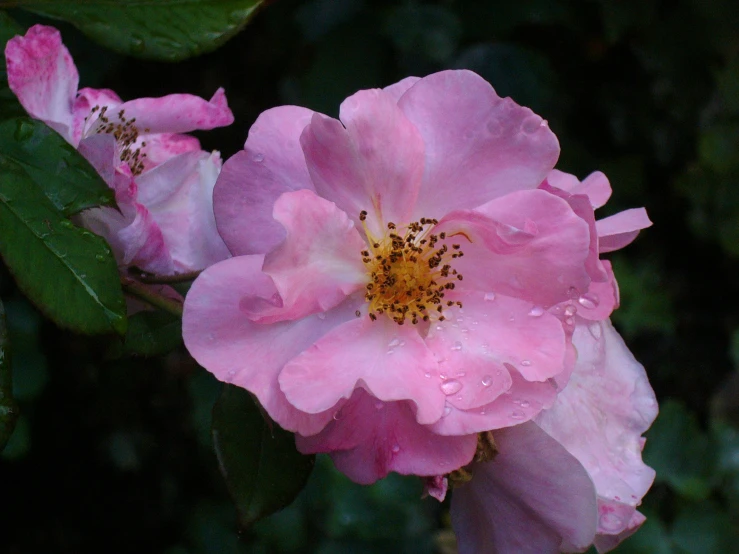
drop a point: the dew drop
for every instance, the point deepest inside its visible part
(487, 381)
(457, 345)
(447, 411)
(589, 301)
(443, 376)
(452, 386)
(395, 448)
(321, 315)
(517, 414)
(525, 363)
(393, 343)
(531, 124)
(337, 415)
(595, 330)
(570, 311)
(461, 374)
(536, 311)
(569, 321)
(100, 257)
(525, 403)
(489, 296)
(258, 158)
(610, 522)
(427, 375)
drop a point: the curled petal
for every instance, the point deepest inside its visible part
(595, 186)
(221, 337)
(388, 360)
(477, 145)
(368, 439)
(271, 163)
(43, 76)
(375, 164)
(599, 418)
(532, 498)
(620, 229)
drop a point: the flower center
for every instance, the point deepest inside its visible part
(409, 274)
(126, 135)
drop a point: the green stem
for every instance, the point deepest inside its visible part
(8, 408)
(142, 292)
(168, 279)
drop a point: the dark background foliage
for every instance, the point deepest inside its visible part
(113, 454)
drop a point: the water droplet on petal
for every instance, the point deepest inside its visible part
(395, 448)
(393, 343)
(489, 296)
(517, 414)
(525, 363)
(589, 301)
(457, 345)
(337, 415)
(595, 330)
(570, 311)
(536, 311)
(321, 315)
(531, 124)
(443, 376)
(487, 381)
(525, 403)
(447, 411)
(610, 522)
(569, 321)
(427, 375)
(452, 386)
(258, 158)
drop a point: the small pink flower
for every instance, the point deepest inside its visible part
(416, 274)
(162, 180)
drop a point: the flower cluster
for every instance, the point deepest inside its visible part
(163, 181)
(416, 289)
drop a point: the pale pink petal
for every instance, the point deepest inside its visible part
(368, 439)
(387, 359)
(436, 487)
(271, 163)
(87, 99)
(601, 298)
(396, 90)
(599, 418)
(164, 146)
(43, 76)
(595, 186)
(178, 194)
(375, 164)
(177, 113)
(606, 543)
(477, 145)
(532, 498)
(620, 229)
(478, 343)
(527, 244)
(236, 350)
(320, 261)
(100, 151)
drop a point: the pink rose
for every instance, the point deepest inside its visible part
(416, 275)
(162, 179)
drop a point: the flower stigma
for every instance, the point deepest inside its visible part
(409, 274)
(126, 135)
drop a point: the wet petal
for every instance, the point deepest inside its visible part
(620, 229)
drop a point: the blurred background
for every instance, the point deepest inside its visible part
(113, 454)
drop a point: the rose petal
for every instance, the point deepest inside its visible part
(271, 163)
(375, 164)
(368, 439)
(223, 340)
(87, 99)
(620, 229)
(595, 186)
(532, 498)
(387, 359)
(600, 416)
(396, 90)
(43, 76)
(477, 145)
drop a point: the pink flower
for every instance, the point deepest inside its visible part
(411, 277)
(163, 181)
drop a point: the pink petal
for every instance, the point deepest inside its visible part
(227, 343)
(386, 359)
(320, 262)
(620, 229)
(601, 298)
(368, 439)
(606, 543)
(177, 113)
(533, 498)
(43, 76)
(178, 193)
(374, 164)
(527, 244)
(272, 163)
(100, 151)
(396, 90)
(161, 147)
(595, 186)
(599, 419)
(88, 98)
(477, 145)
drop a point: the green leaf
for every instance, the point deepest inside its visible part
(68, 272)
(680, 452)
(152, 334)
(8, 406)
(263, 470)
(62, 173)
(169, 30)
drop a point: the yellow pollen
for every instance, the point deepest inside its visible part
(126, 134)
(409, 274)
